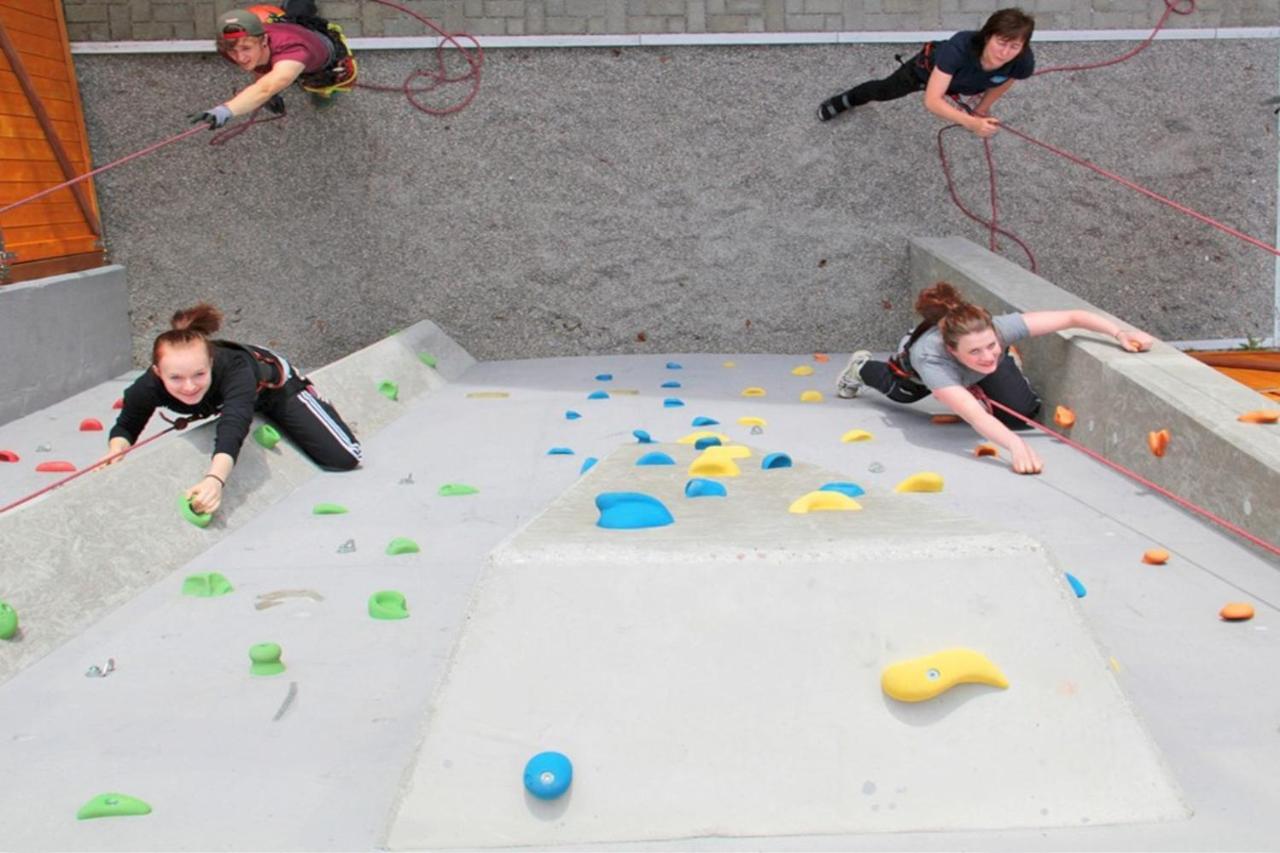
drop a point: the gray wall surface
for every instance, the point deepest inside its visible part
(61, 335)
(101, 20)
(591, 197)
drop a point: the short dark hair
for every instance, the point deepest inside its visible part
(1010, 24)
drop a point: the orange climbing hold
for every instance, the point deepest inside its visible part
(1260, 416)
(821, 357)
(55, 467)
(1158, 441)
(986, 449)
(1064, 417)
(1155, 556)
(91, 425)
(945, 419)
(1237, 611)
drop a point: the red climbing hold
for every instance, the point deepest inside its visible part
(118, 404)
(91, 425)
(55, 467)
(8, 456)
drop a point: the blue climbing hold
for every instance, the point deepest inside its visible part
(700, 420)
(631, 511)
(699, 487)
(598, 395)
(642, 436)
(706, 441)
(1076, 586)
(671, 384)
(776, 460)
(560, 451)
(850, 489)
(587, 464)
(604, 377)
(548, 775)
(571, 415)
(672, 403)
(673, 365)
(657, 457)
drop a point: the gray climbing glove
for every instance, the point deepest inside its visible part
(215, 118)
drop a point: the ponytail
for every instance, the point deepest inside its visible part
(187, 327)
(944, 307)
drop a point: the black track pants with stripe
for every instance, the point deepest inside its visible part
(313, 424)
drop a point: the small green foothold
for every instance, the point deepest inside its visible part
(199, 519)
(428, 359)
(267, 435)
(453, 490)
(8, 621)
(389, 389)
(328, 509)
(266, 659)
(112, 805)
(388, 604)
(402, 545)
(207, 585)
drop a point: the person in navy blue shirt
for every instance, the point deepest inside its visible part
(985, 62)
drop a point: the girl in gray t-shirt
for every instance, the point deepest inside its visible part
(960, 354)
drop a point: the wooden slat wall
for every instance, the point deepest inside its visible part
(51, 234)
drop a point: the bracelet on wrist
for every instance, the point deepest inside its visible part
(221, 481)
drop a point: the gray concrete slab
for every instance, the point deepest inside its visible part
(181, 724)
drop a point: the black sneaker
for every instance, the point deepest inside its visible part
(275, 105)
(832, 107)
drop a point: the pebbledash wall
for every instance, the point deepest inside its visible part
(185, 19)
(670, 198)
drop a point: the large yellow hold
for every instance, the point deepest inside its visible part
(925, 481)
(709, 464)
(823, 501)
(924, 678)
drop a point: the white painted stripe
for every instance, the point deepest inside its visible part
(699, 39)
(312, 404)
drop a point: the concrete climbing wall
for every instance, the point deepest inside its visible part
(676, 199)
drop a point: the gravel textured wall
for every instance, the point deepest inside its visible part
(686, 199)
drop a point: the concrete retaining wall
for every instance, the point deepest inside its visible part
(61, 335)
(1227, 467)
(61, 573)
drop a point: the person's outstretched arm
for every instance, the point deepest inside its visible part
(275, 81)
(935, 101)
(1044, 322)
(959, 400)
(990, 96)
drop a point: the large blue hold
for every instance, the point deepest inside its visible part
(673, 402)
(598, 395)
(776, 460)
(701, 488)
(642, 436)
(701, 420)
(1076, 586)
(850, 489)
(548, 775)
(671, 384)
(657, 457)
(631, 511)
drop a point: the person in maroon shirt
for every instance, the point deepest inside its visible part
(296, 46)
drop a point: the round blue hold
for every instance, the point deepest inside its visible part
(598, 395)
(775, 460)
(705, 442)
(699, 487)
(853, 490)
(642, 436)
(548, 775)
(702, 420)
(657, 457)
(631, 511)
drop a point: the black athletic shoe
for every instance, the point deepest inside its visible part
(832, 107)
(275, 105)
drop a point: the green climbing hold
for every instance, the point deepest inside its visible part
(207, 585)
(112, 805)
(8, 621)
(428, 359)
(267, 435)
(199, 519)
(402, 545)
(328, 509)
(453, 490)
(389, 389)
(388, 604)
(265, 659)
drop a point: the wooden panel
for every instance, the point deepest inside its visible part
(55, 266)
(16, 104)
(56, 90)
(47, 210)
(20, 127)
(20, 22)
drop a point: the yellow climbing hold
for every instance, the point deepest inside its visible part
(810, 396)
(802, 370)
(856, 435)
(692, 438)
(749, 421)
(753, 391)
(730, 364)
(729, 451)
(823, 501)
(710, 464)
(487, 395)
(924, 678)
(925, 481)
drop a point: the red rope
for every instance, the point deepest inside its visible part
(95, 466)
(474, 57)
(1182, 502)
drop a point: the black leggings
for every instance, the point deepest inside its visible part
(312, 423)
(1006, 386)
(899, 84)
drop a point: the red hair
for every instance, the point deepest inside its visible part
(944, 307)
(189, 326)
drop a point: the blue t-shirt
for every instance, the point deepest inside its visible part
(961, 57)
